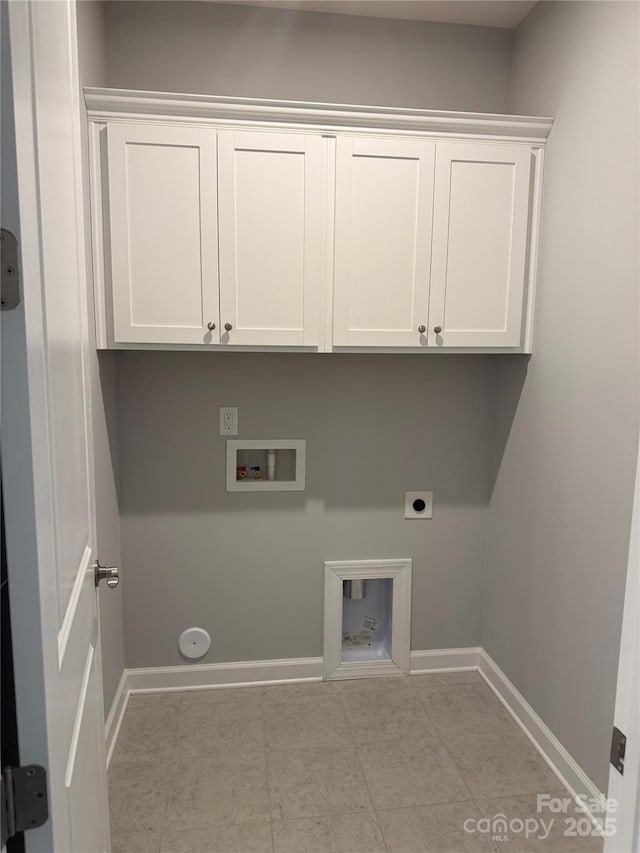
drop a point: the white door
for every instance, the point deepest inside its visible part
(272, 189)
(480, 217)
(163, 233)
(46, 444)
(623, 831)
(384, 197)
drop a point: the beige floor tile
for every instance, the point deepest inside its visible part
(220, 720)
(390, 715)
(282, 694)
(238, 838)
(466, 707)
(497, 764)
(306, 723)
(148, 731)
(191, 770)
(135, 840)
(153, 701)
(352, 691)
(343, 833)
(448, 828)
(446, 679)
(405, 773)
(217, 788)
(313, 782)
(224, 703)
(200, 733)
(540, 830)
(138, 792)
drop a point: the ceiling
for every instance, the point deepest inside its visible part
(482, 13)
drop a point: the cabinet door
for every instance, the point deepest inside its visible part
(163, 224)
(384, 197)
(480, 221)
(272, 188)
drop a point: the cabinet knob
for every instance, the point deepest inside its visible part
(437, 329)
(228, 327)
(422, 329)
(211, 326)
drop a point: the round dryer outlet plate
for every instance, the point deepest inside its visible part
(194, 643)
(418, 505)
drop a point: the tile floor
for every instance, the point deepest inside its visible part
(385, 764)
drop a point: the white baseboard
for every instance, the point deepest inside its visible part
(365, 669)
(554, 753)
(445, 660)
(245, 673)
(115, 715)
(240, 674)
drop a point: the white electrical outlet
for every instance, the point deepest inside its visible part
(418, 504)
(228, 420)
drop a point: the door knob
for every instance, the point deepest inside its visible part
(437, 329)
(228, 327)
(110, 574)
(211, 326)
(422, 329)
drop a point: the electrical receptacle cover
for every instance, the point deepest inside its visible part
(418, 505)
(228, 420)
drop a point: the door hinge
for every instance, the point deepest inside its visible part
(618, 748)
(24, 800)
(9, 280)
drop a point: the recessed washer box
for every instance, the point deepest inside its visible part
(250, 463)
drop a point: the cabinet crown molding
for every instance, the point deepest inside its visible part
(109, 104)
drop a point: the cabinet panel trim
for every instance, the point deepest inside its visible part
(312, 222)
(204, 142)
(520, 159)
(422, 153)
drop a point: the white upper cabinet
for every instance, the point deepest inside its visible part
(163, 233)
(222, 223)
(384, 199)
(480, 230)
(271, 193)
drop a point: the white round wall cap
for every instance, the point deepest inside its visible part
(194, 643)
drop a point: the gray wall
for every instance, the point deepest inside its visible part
(248, 567)
(266, 53)
(561, 508)
(92, 71)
